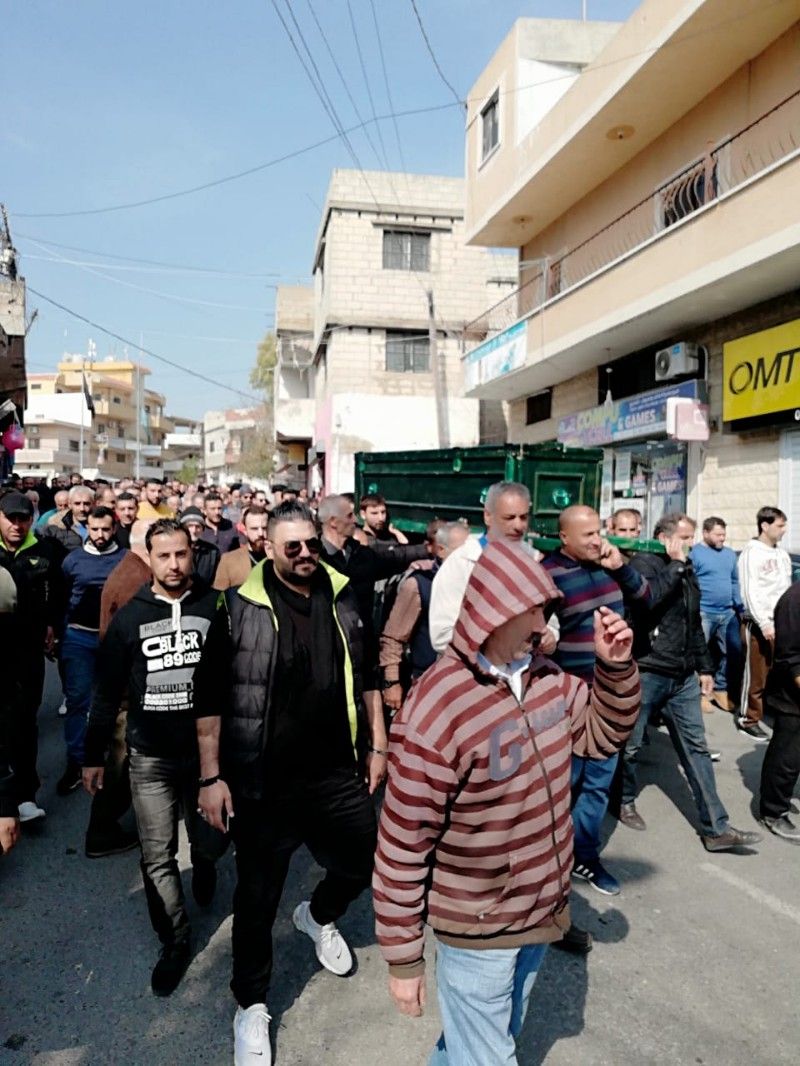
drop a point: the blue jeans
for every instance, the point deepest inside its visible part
(483, 998)
(78, 662)
(723, 636)
(591, 784)
(678, 702)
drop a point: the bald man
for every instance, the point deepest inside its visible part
(590, 573)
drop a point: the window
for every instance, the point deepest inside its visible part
(408, 353)
(119, 457)
(34, 385)
(32, 431)
(688, 193)
(97, 397)
(101, 427)
(74, 446)
(211, 447)
(490, 126)
(538, 408)
(147, 408)
(116, 399)
(406, 250)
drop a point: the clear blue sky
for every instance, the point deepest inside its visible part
(106, 103)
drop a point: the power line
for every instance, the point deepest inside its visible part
(120, 266)
(428, 45)
(145, 351)
(388, 90)
(366, 81)
(147, 262)
(228, 177)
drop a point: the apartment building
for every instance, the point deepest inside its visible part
(12, 338)
(293, 384)
(125, 434)
(395, 284)
(183, 447)
(647, 176)
(225, 437)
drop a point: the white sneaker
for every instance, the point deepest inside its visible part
(251, 1046)
(62, 710)
(29, 812)
(331, 946)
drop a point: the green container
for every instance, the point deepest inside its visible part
(452, 483)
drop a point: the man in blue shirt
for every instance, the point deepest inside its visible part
(720, 602)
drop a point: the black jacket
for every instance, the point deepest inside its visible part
(782, 692)
(35, 568)
(63, 533)
(151, 650)
(237, 671)
(668, 634)
(206, 560)
(225, 538)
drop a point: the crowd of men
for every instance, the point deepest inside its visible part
(266, 666)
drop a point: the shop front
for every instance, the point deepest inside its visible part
(646, 442)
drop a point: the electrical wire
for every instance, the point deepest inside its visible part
(429, 46)
(366, 81)
(144, 351)
(403, 166)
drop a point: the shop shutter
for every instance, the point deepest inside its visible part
(790, 487)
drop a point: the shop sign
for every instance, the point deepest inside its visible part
(496, 357)
(635, 418)
(761, 374)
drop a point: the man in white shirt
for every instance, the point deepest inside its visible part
(765, 573)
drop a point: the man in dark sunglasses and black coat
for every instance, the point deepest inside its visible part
(288, 754)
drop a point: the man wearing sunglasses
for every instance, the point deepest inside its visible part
(281, 698)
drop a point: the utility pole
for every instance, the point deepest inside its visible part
(439, 378)
(138, 466)
(583, 10)
(83, 404)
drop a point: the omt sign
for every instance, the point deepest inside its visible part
(761, 374)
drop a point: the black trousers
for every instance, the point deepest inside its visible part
(781, 767)
(335, 819)
(24, 732)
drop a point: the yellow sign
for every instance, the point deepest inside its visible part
(761, 373)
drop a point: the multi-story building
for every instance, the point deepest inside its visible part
(183, 447)
(226, 435)
(12, 337)
(647, 176)
(293, 386)
(394, 286)
(125, 433)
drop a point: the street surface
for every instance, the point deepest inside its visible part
(696, 962)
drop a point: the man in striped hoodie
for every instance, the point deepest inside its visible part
(475, 832)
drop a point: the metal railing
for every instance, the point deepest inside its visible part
(771, 137)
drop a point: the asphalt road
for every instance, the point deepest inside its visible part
(695, 962)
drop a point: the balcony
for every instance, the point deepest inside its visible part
(294, 419)
(723, 235)
(184, 441)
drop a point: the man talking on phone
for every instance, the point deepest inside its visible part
(151, 649)
(290, 752)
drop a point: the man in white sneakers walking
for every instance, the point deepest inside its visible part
(765, 573)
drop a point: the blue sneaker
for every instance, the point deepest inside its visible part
(597, 876)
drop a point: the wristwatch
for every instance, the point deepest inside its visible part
(390, 684)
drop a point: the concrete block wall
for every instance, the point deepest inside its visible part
(356, 362)
(574, 395)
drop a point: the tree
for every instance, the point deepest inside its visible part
(189, 472)
(262, 375)
(258, 447)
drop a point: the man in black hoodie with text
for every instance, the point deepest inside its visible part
(152, 648)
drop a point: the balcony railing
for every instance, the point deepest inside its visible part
(772, 137)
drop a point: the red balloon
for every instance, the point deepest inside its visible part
(13, 439)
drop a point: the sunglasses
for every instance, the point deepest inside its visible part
(292, 548)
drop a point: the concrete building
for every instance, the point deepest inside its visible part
(225, 437)
(121, 438)
(293, 385)
(385, 242)
(12, 338)
(647, 175)
(184, 445)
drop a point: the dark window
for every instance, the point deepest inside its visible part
(490, 126)
(34, 385)
(211, 446)
(538, 408)
(116, 399)
(120, 457)
(74, 446)
(406, 250)
(408, 353)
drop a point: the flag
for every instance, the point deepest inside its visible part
(87, 394)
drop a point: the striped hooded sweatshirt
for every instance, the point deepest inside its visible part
(475, 833)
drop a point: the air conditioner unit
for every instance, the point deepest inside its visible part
(673, 362)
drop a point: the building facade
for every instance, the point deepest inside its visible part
(13, 329)
(394, 286)
(652, 204)
(226, 435)
(293, 384)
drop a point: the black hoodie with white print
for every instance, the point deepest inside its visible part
(150, 652)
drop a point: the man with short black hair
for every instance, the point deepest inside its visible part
(720, 607)
(218, 531)
(151, 650)
(85, 572)
(152, 504)
(235, 566)
(765, 573)
(126, 506)
(675, 667)
(375, 516)
(287, 744)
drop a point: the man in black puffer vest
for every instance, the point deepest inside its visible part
(288, 755)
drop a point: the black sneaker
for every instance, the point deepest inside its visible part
(783, 827)
(71, 779)
(112, 841)
(170, 968)
(204, 882)
(576, 941)
(754, 731)
(597, 876)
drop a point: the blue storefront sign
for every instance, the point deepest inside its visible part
(495, 357)
(635, 418)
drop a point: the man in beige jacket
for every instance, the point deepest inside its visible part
(234, 567)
